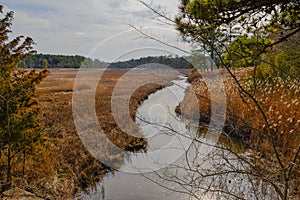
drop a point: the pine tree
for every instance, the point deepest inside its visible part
(19, 125)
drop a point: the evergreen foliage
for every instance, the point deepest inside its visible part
(20, 129)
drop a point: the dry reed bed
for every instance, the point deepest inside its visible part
(277, 102)
(65, 166)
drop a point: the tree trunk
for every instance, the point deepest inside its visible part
(8, 172)
(24, 160)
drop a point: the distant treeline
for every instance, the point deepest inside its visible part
(64, 61)
(55, 61)
(174, 62)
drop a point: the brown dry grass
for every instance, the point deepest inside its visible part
(244, 120)
(65, 167)
(280, 103)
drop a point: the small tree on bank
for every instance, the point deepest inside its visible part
(20, 129)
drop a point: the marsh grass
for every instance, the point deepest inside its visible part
(280, 103)
(61, 167)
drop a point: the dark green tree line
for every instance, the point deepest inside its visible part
(64, 61)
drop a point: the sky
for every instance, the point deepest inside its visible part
(95, 28)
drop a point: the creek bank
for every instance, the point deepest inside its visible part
(17, 193)
(67, 168)
(232, 126)
(266, 120)
(246, 121)
(153, 117)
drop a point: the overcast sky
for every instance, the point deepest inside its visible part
(94, 28)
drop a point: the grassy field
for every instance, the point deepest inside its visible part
(64, 167)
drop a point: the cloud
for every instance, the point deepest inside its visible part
(76, 26)
(115, 4)
(80, 33)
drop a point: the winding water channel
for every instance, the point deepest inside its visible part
(161, 172)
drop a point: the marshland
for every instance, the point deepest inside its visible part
(205, 106)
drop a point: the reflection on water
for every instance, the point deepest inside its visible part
(177, 164)
(158, 122)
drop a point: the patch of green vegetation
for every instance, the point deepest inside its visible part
(246, 51)
(284, 65)
(44, 61)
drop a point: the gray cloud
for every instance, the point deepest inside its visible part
(76, 26)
